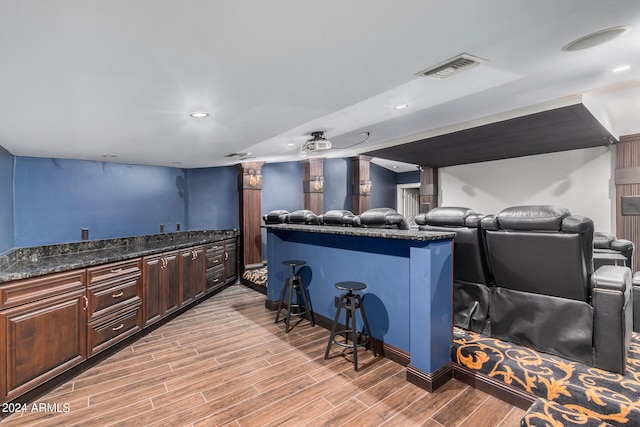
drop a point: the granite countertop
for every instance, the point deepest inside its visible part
(383, 233)
(35, 261)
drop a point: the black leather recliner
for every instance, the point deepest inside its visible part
(381, 218)
(303, 216)
(471, 278)
(546, 294)
(337, 217)
(278, 216)
(608, 244)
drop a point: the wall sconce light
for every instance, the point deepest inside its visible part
(365, 186)
(318, 183)
(254, 177)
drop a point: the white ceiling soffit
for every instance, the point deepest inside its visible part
(84, 79)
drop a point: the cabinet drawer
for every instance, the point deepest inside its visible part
(110, 296)
(113, 271)
(25, 291)
(215, 277)
(113, 329)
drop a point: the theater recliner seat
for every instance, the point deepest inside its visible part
(605, 243)
(546, 294)
(381, 218)
(337, 217)
(471, 278)
(278, 216)
(303, 216)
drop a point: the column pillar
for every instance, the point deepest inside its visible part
(428, 188)
(361, 183)
(313, 185)
(250, 189)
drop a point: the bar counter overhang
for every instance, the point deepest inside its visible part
(409, 295)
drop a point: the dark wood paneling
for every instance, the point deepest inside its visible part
(627, 184)
(250, 214)
(313, 195)
(429, 187)
(560, 129)
(360, 172)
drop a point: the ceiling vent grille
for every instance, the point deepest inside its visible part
(451, 66)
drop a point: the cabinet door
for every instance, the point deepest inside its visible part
(186, 267)
(171, 283)
(230, 260)
(151, 291)
(198, 277)
(42, 339)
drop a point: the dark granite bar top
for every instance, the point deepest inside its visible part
(382, 233)
(35, 261)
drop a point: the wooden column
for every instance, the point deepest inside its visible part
(428, 188)
(360, 176)
(627, 181)
(313, 185)
(250, 189)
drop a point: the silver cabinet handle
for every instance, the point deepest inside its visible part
(118, 295)
(226, 256)
(116, 270)
(117, 328)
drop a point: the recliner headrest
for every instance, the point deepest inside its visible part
(278, 216)
(533, 218)
(303, 216)
(337, 217)
(602, 240)
(445, 216)
(382, 217)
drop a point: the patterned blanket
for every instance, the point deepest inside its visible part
(570, 393)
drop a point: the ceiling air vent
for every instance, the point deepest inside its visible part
(451, 66)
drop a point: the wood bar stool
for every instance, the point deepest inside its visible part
(293, 285)
(351, 303)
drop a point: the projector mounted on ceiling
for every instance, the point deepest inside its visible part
(316, 143)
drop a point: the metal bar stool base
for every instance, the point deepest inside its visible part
(293, 285)
(352, 303)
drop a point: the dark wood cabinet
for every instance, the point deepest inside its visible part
(114, 293)
(50, 324)
(230, 260)
(215, 256)
(44, 330)
(162, 286)
(193, 274)
(152, 271)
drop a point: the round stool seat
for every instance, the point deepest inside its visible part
(294, 262)
(351, 286)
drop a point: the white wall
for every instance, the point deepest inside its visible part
(580, 180)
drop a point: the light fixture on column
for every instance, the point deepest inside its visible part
(255, 175)
(318, 183)
(365, 186)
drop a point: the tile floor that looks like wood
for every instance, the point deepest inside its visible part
(225, 363)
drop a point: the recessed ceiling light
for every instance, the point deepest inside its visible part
(109, 156)
(291, 144)
(400, 106)
(394, 167)
(597, 38)
(199, 114)
(621, 68)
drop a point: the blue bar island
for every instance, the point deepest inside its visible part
(409, 295)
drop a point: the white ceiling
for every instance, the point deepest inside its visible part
(81, 79)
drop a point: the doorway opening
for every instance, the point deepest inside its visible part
(409, 201)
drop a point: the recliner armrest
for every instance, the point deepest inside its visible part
(612, 277)
(613, 317)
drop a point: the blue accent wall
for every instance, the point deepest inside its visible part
(55, 198)
(282, 186)
(337, 184)
(213, 198)
(383, 187)
(6, 200)
(408, 177)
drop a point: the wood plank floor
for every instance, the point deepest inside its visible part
(225, 363)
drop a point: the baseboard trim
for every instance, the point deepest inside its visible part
(429, 381)
(512, 395)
